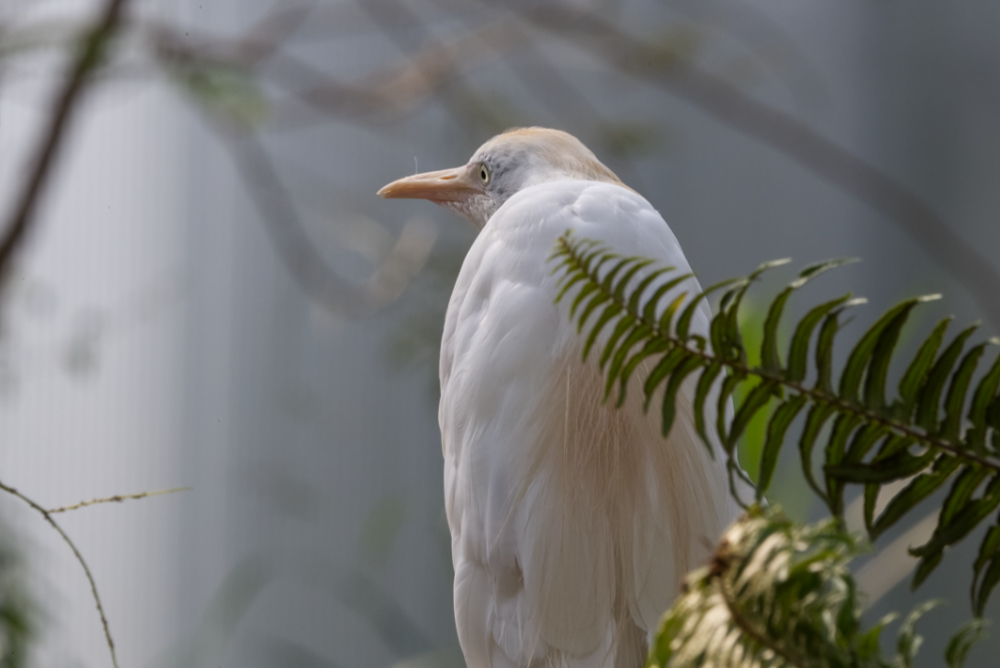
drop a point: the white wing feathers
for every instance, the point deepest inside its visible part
(572, 522)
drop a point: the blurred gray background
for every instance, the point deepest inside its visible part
(213, 296)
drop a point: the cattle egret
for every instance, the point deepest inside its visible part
(572, 522)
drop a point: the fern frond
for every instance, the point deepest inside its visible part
(780, 594)
(940, 427)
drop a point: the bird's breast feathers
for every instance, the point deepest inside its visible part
(572, 522)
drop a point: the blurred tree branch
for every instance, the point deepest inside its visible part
(375, 99)
(769, 43)
(91, 52)
(263, 44)
(434, 67)
(831, 162)
(300, 256)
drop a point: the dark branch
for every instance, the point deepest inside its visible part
(91, 52)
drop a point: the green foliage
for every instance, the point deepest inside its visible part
(780, 594)
(786, 485)
(18, 615)
(225, 91)
(751, 444)
(940, 428)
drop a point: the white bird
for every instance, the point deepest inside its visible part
(572, 522)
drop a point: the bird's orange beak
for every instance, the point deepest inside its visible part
(441, 187)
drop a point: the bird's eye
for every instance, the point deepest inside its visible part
(484, 174)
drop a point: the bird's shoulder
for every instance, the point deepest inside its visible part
(519, 238)
(508, 269)
(530, 222)
(572, 200)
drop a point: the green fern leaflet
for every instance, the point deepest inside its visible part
(939, 429)
(780, 595)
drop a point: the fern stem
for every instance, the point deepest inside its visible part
(871, 416)
(748, 628)
(816, 395)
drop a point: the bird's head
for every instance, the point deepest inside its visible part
(503, 166)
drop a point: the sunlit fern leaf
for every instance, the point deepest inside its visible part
(779, 594)
(941, 427)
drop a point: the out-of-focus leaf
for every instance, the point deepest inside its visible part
(629, 139)
(292, 655)
(222, 90)
(968, 635)
(378, 534)
(397, 629)
(908, 643)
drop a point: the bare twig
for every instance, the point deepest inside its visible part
(79, 557)
(117, 498)
(91, 53)
(790, 136)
